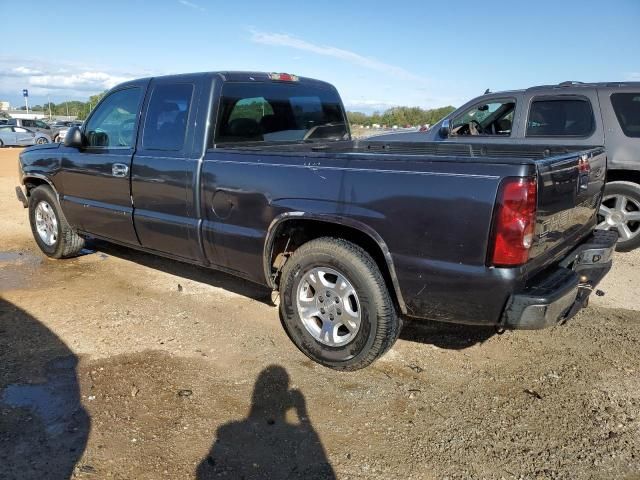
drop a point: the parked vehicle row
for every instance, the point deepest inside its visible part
(256, 174)
(11, 136)
(573, 113)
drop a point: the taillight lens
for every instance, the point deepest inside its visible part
(514, 222)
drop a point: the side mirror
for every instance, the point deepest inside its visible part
(445, 128)
(74, 138)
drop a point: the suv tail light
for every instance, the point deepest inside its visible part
(514, 221)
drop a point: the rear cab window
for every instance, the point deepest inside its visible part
(278, 113)
(627, 109)
(167, 114)
(570, 116)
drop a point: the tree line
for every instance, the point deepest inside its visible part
(401, 116)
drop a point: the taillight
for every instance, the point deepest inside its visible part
(514, 221)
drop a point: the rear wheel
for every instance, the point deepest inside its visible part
(335, 305)
(620, 210)
(50, 229)
(41, 141)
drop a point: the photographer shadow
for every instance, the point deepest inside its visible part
(266, 444)
(43, 426)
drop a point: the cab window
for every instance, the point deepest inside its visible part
(279, 112)
(493, 118)
(560, 117)
(112, 123)
(41, 124)
(167, 115)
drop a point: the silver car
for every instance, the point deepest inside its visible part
(11, 136)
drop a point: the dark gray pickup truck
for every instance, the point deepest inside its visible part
(256, 174)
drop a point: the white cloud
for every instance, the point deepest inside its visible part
(195, 6)
(284, 40)
(59, 79)
(633, 76)
(25, 71)
(88, 81)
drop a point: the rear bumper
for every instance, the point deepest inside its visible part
(556, 296)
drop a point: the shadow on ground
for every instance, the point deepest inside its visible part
(43, 426)
(196, 273)
(441, 334)
(267, 444)
(445, 335)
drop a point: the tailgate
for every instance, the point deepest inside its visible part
(570, 189)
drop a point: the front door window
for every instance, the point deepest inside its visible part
(491, 118)
(112, 125)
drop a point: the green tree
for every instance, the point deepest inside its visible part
(400, 116)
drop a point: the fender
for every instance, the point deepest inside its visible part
(47, 180)
(338, 220)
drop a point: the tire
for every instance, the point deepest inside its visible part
(41, 141)
(1, 144)
(620, 211)
(56, 139)
(340, 348)
(49, 226)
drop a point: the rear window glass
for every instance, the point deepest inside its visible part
(167, 113)
(279, 112)
(627, 108)
(560, 118)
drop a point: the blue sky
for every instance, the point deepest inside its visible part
(378, 54)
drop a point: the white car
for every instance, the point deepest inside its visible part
(11, 136)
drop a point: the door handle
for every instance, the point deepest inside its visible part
(119, 170)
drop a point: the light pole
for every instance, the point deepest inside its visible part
(49, 101)
(25, 94)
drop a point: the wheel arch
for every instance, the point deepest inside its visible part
(615, 175)
(290, 230)
(33, 180)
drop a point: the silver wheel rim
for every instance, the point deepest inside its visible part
(621, 213)
(41, 141)
(328, 306)
(46, 223)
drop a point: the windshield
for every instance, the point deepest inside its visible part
(279, 112)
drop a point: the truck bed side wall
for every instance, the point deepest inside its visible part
(433, 216)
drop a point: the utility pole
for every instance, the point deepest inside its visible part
(49, 101)
(67, 104)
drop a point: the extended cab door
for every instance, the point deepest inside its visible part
(164, 173)
(95, 192)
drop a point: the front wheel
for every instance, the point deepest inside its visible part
(335, 305)
(41, 141)
(50, 229)
(620, 210)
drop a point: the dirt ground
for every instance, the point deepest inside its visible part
(121, 365)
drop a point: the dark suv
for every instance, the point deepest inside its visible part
(580, 114)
